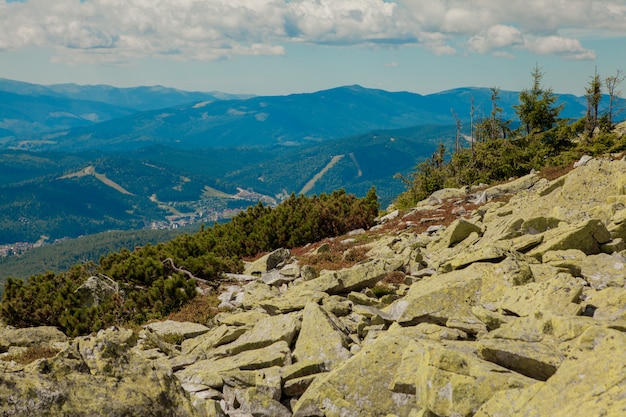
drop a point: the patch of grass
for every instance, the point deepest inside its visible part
(200, 309)
(394, 277)
(173, 338)
(381, 289)
(356, 254)
(31, 355)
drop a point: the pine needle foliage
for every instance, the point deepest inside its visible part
(157, 280)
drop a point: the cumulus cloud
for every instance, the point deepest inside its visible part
(496, 37)
(556, 45)
(119, 31)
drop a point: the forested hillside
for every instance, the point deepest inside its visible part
(61, 256)
(152, 281)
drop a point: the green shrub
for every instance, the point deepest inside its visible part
(157, 280)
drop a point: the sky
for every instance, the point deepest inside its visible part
(277, 47)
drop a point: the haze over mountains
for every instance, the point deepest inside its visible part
(77, 160)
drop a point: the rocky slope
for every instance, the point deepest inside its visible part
(516, 308)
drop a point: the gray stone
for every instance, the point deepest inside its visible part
(186, 330)
(603, 270)
(97, 289)
(320, 339)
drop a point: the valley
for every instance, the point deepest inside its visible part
(91, 159)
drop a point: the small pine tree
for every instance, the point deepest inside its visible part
(537, 110)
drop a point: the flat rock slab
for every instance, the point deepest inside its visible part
(207, 372)
(185, 329)
(362, 382)
(320, 340)
(537, 360)
(589, 383)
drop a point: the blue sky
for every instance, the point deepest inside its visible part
(275, 47)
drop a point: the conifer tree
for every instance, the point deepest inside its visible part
(537, 110)
(593, 96)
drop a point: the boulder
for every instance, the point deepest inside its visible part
(590, 382)
(186, 330)
(320, 340)
(356, 278)
(537, 360)
(265, 332)
(95, 375)
(458, 231)
(450, 380)
(437, 298)
(361, 383)
(515, 186)
(256, 292)
(244, 318)
(559, 295)
(40, 337)
(208, 372)
(267, 263)
(586, 236)
(608, 304)
(603, 270)
(215, 337)
(97, 289)
(292, 301)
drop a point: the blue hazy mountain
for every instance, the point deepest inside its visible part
(95, 161)
(30, 110)
(290, 120)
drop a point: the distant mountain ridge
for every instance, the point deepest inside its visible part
(201, 120)
(139, 98)
(170, 158)
(30, 110)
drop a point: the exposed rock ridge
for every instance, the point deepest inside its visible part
(513, 309)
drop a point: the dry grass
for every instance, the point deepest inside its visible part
(31, 355)
(553, 172)
(200, 309)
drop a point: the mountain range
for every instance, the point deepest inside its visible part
(77, 160)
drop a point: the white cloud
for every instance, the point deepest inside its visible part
(556, 45)
(496, 37)
(119, 31)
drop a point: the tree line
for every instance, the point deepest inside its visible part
(498, 152)
(156, 280)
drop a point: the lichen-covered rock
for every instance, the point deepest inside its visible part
(255, 292)
(608, 304)
(586, 236)
(245, 318)
(292, 301)
(185, 330)
(437, 298)
(361, 383)
(455, 233)
(515, 186)
(43, 336)
(320, 339)
(215, 337)
(356, 278)
(95, 375)
(590, 382)
(452, 381)
(559, 295)
(603, 270)
(207, 372)
(267, 262)
(538, 360)
(97, 289)
(264, 333)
